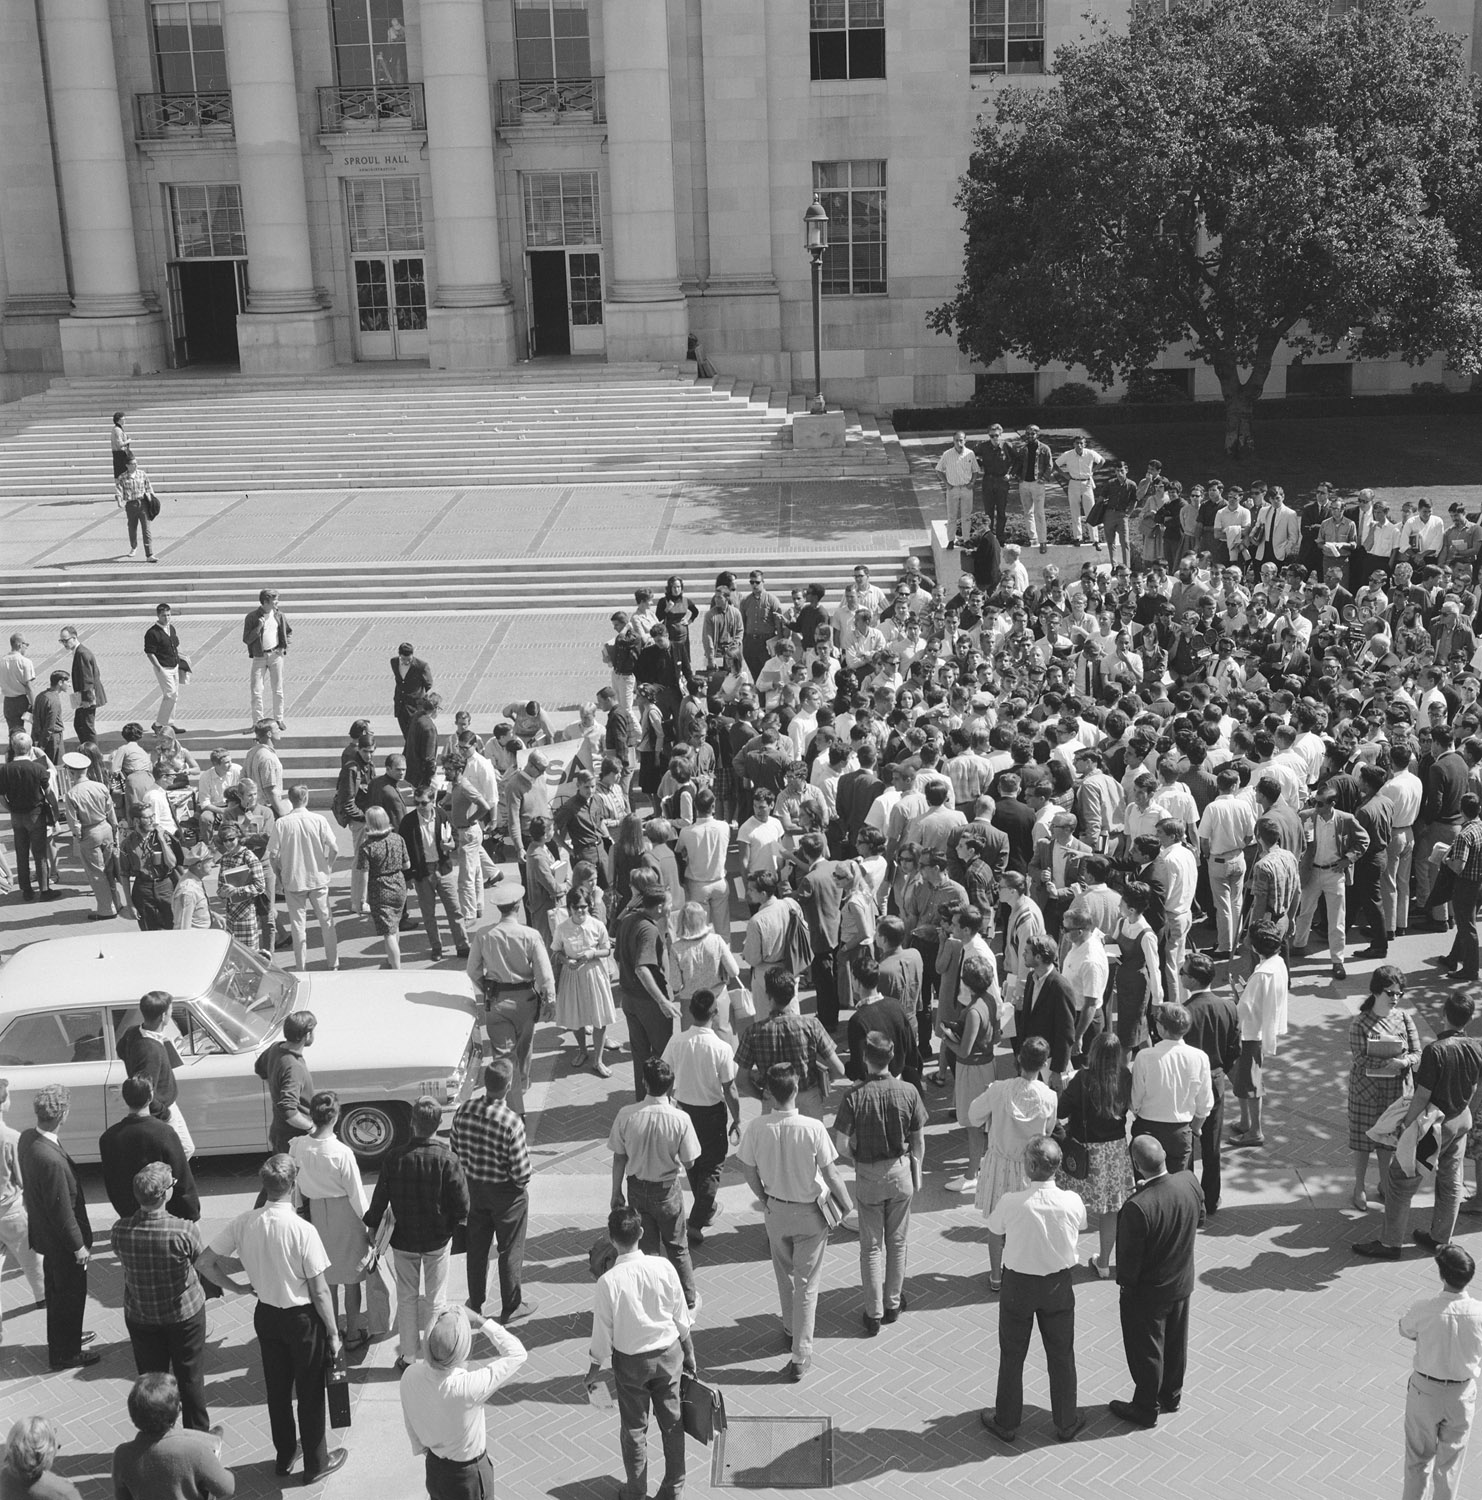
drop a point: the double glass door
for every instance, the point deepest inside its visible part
(391, 306)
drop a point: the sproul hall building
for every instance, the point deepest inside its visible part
(283, 186)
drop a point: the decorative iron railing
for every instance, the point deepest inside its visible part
(160, 115)
(530, 101)
(379, 107)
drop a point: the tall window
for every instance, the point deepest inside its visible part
(561, 208)
(188, 47)
(207, 220)
(370, 43)
(385, 213)
(853, 195)
(552, 40)
(1006, 36)
(846, 38)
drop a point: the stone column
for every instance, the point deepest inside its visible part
(112, 330)
(643, 306)
(739, 316)
(286, 328)
(471, 323)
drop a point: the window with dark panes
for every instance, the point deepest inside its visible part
(552, 40)
(370, 43)
(853, 195)
(1006, 36)
(189, 51)
(846, 39)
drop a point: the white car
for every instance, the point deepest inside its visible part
(383, 1039)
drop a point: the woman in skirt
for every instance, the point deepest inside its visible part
(857, 919)
(972, 1043)
(1011, 1112)
(1385, 1044)
(1093, 1110)
(383, 856)
(329, 1183)
(583, 990)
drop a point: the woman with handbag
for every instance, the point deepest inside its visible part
(581, 947)
(1093, 1115)
(1385, 1044)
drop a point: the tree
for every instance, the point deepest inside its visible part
(1231, 175)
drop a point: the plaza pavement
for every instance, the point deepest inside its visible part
(1296, 1376)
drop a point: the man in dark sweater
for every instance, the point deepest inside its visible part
(146, 1050)
(1050, 1007)
(876, 1012)
(164, 1460)
(290, 1084)
(137, 1140)
(1214, 1028)
(425, 1190)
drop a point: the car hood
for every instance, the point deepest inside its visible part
(364, 1020)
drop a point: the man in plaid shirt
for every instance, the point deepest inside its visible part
(787, 1037)
(489, 1141)
(164, 1305)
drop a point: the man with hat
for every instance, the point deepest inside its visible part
(996, 460)
(442, 1402)
(1033, 468)
(1335, 840)
(94, 823)
(509, 965)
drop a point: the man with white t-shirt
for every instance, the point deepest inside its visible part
(1404, 792)
(701, 852)
(705, 1089)
(1078, 464)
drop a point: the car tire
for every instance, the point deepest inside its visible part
(373, 1130)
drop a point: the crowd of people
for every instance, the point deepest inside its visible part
(1010, 834)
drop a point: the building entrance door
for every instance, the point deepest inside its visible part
(550, 317)
(207, 297)
(390, 307)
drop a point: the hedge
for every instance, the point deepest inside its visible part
(1121, 414)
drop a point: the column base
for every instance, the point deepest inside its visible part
(471, 338)
(646, 330)
(286, 343)
(131, 345)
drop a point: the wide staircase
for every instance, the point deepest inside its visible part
(358, 427)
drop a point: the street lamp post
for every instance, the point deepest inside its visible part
(815, 240)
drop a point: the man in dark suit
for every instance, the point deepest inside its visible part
(1050, 1007)
(1214, 1028)
(134, 1142)
(1016, 821)
(1446, 779)
(1376, 818)
(58, 1228)
(413, 678)
(87, 676)
(820, 895)
(858, 792)
(1156, 1230)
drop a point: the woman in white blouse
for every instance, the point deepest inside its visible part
(329, 1182)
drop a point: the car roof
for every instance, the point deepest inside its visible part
(109, 967)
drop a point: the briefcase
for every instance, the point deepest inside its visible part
(702, 1408)
(337, 1391)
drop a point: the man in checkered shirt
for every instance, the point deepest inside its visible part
(787, 1037)
(164, 1305)
(488, 1138)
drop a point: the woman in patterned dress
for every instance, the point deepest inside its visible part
(583, 990)
(239, 884)
(384, 858)
(1093, 1110)
(1385, 1043)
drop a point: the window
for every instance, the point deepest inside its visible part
(561, 208)
(189, 52)
(55, 1037)
(207, 220)
(1006, 36)
(846, 38)
(370, 45)
(853, 195)
(551, 39)
(385, 213)
(586, 290)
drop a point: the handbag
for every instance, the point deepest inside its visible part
(702, 1408)
(1075, 1158)
(797, 946)
(337, 1391)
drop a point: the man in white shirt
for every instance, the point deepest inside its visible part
(1446, 1330)
(791, 1165)
(1227, 828)
(222, 772)
(266, 634)
(867, 595)
(1404, 792)
(1172, 1089)
(261, 765)
(704, 1068)
(284, 1262)
(701, 851)
(1423, 533)
(640, 1321)
(1041, 1228)
(17, 685)
(1177, 868)
(958, 467)
(302, 849)
(1078, 464)
(442, 1401)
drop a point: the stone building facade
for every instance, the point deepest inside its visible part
(286, 185)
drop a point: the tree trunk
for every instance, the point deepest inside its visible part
(1240, 439)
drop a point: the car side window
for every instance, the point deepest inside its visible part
(194, 1040)
(51, 1037)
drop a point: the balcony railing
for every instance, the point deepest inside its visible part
(160, 115)
(382, 107)
(549, 101)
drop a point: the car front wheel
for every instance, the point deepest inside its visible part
(372, 1131)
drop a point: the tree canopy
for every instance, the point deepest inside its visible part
(1230, 175)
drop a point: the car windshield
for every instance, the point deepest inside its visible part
(247, 998)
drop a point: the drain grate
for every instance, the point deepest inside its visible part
(774, 1453)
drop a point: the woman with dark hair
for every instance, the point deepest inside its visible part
(630, 851)
(132, 771)
(1139, 983)
(123, 450)
(677, 613)
(1385, 1044)
(1093, 1111)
